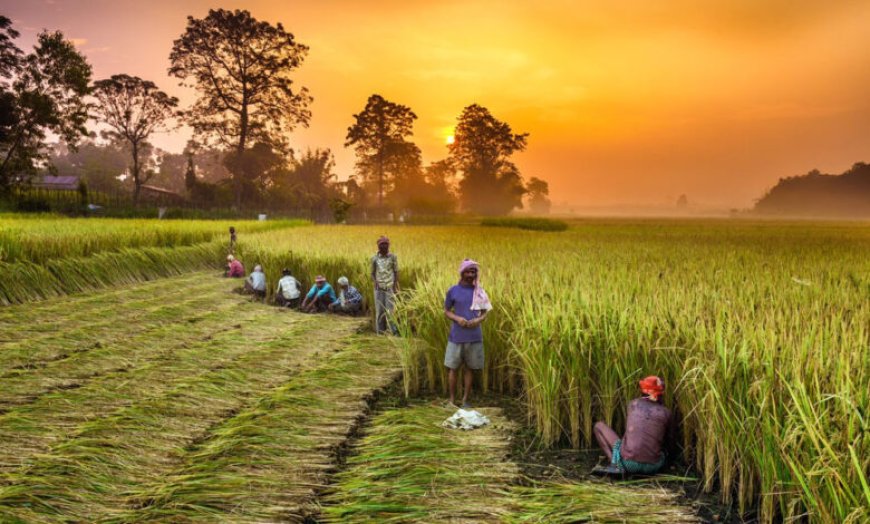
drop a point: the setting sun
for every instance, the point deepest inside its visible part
(450, 139)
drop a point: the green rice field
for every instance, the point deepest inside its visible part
(138, 386)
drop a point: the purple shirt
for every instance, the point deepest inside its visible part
(459, 299)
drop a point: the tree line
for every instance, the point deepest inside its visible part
(247, 105)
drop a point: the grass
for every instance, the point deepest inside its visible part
(186, 390)
(407, 468)
(532, 224)
(760, 330)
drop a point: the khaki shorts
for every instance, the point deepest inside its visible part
(470, 353)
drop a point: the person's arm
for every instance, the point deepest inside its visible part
(448, 311)
(479, 320)
(395, 274)
(375, 272)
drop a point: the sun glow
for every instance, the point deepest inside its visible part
(450, 139)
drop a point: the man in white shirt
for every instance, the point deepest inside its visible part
(287, 294)
(256, 282)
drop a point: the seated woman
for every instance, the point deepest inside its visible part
(235, 269)
(319, 297)
(288, 294)
(256, 282)
(649, 428)
(349, 299)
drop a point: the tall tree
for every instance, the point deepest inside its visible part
(98, 165)
(481, 149)
(45, 93)
(379, 137)
(241, 68)
(133, 109)
(538, 192)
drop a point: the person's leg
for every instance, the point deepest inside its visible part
(451, 385)
(452, 361)
(469, 380)
(280, 301)
(389, 304)
(380, 318)
(606, 438)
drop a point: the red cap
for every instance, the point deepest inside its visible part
(652, 386)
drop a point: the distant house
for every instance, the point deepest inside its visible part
(59, 183)
(160, 194)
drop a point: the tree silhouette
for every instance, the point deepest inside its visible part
(379, 139)
(481, 149)
(133, 109)
(538, 191)
(241, 69)
(43, 93)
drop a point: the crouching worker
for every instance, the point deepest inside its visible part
(256, 282)
(319, 297)
(649, 429)
(349, 299)
(288, 294)
(235, 269)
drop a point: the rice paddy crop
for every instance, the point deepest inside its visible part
(761, 330)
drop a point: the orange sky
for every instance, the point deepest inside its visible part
(633, 103)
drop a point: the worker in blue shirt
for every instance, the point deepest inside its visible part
(319, 297)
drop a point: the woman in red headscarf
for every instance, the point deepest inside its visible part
(649, 424)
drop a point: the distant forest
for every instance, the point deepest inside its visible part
(816, 194)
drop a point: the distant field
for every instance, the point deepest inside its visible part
(760, 329)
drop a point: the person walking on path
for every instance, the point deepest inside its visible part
(385, 276)
(467, 305)
(232, 239)
(288, 294)
(649, 428)
(319, 297)
(349, 300)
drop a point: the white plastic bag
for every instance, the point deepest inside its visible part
(466, 419)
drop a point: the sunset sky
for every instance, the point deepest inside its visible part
(632, 103)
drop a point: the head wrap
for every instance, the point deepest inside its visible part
(285, 271)
(480, 300)
(258, 267)
(342, 281)
(319, 278)
(383, 240)
(653, 387)
(230, 258)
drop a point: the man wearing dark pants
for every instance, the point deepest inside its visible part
(467, 305)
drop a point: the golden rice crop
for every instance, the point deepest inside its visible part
(761, 330)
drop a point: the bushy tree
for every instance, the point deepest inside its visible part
(242, 71)
(538, 192)
(310, 184)
(491, 184)
(379, 136)
(41, 93)
(133, 109)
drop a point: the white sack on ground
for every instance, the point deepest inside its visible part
(466, 419)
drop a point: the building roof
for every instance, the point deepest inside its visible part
(70, 182)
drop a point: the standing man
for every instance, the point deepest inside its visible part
(385, 276)
(232, 239)
(467, 305)
(648, 430)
